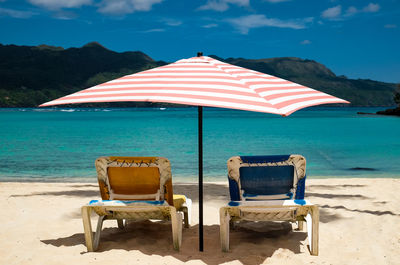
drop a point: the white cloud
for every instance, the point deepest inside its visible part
(15, 13)
(332, 13)
(335, 13)
(245, 23)
(390, 26)
(153, 30)
(63, 15)
(371, 8)
(58, 4)
(305, 42)
(120, 7)
(306, 20)
(172, 22)
(351, 11)
(276, 1)
(208, 26)
(223, 5)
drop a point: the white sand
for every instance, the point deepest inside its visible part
(360, 224)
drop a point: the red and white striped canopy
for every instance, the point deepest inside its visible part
(204, 81)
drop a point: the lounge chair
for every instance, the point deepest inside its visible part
(268, 188)
(135, 188)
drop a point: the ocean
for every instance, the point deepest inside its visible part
(62, 144)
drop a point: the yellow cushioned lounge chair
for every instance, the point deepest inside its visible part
(135, 188)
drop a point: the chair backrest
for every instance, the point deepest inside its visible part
(266, 177)
(134, 178)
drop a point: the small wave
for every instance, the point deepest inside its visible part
(67, 110)
(44, 110)
(96, 110)
(163, 108)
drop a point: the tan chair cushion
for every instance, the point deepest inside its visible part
(134, 180)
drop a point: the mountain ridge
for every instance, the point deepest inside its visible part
(31, 75)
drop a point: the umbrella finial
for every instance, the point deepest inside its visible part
(199, 54)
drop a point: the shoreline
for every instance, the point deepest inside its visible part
(359, 218)
(177, 180)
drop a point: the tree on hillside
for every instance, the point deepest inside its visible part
(397, 95)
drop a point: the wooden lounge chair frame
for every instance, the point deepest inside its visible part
(126, 212)
(269, 207)
(144, 203)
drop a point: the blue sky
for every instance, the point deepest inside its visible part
(359, 39)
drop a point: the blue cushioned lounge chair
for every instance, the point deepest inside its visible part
(269, 188)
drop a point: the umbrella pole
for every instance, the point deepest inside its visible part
(200, 133)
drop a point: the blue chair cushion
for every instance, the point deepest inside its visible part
(266, 180)
(264, 159)
(126, 203)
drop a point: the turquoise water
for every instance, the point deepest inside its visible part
(45, 144)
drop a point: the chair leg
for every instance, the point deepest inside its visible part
(176, 223)
(300, 225)
(184, 210)
(179, 217)
(98, 232)
(121, 223)
(312, 220)
(188, 213)
(231, 224)
(87, 227)
(315, 230)
(224, 220)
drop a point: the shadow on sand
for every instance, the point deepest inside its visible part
(336, 196)
(212, 191)
(333, 187)
(378, 213)
(72, 193)
(250, 245)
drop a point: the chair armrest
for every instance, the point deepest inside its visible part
(301, 186)
(234, 190)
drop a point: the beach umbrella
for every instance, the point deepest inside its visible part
(204, 81)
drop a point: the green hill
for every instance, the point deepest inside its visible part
(30, 75)
(360, 92)
(33, 75)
